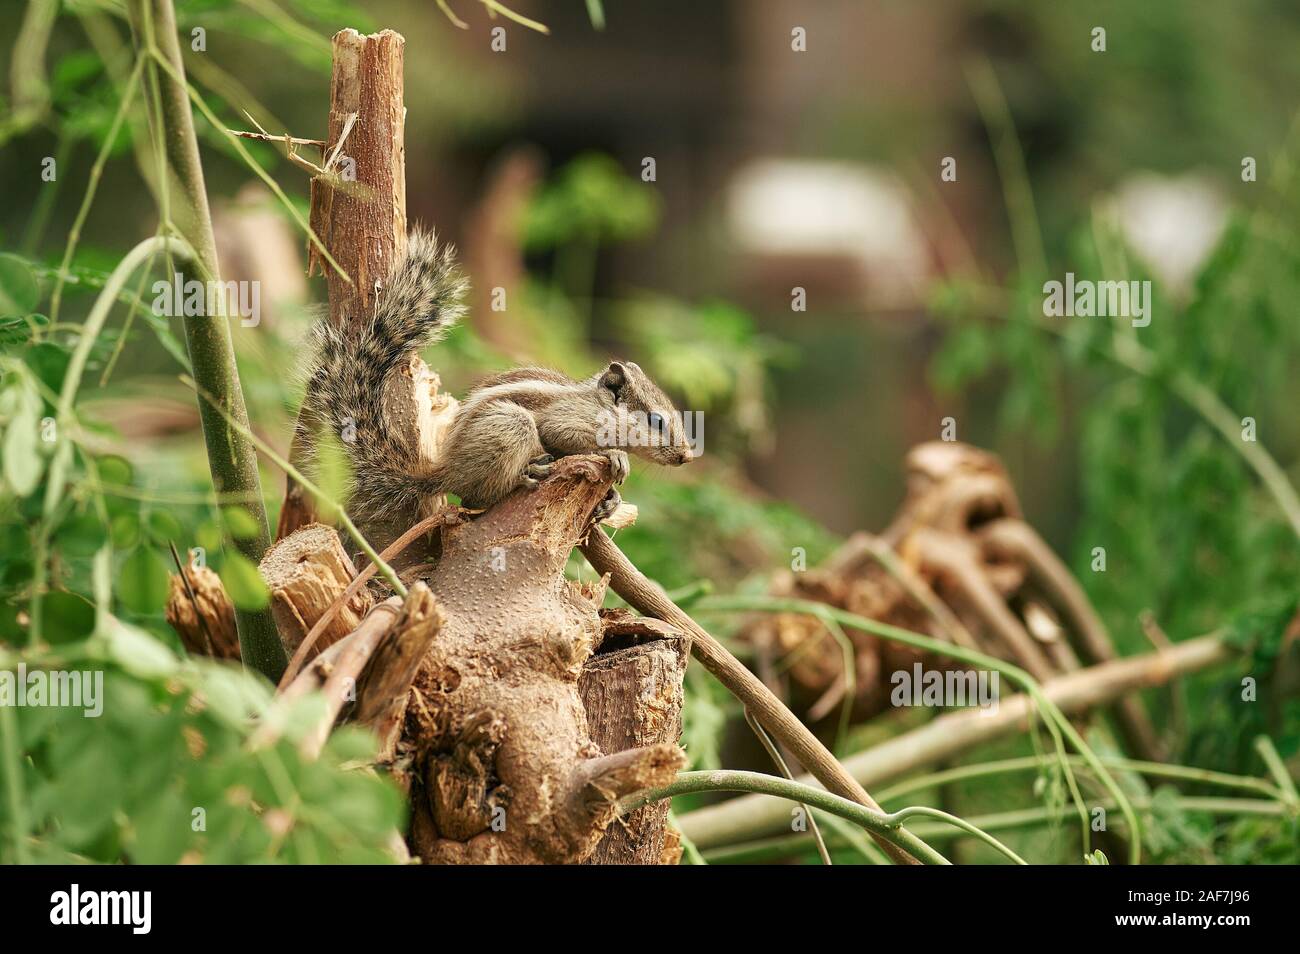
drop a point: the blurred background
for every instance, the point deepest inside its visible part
(774, 169)
(750, 200)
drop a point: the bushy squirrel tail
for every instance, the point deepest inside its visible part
(418, 304)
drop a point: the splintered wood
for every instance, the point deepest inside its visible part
(358, 206)
(958, 563)
(305, 573)
(202, 614)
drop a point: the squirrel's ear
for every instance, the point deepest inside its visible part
(613, 378)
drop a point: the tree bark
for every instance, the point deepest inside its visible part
(306, 573)
(358, 208)
(497, 747)
(632, 693)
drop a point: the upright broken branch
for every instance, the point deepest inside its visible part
(358, 206)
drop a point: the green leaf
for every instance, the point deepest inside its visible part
(50, 362)
(125, 530)
(163, 526)
(142, 583)
(68, 617)
(23, 462)
(138, 652)
(81, 534)
(19, 292)
(244, 584)
(208, 535)
(18, 329)
(240, 523)
(114, 470)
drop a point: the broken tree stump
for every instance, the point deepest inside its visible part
(202, 614)
(306, 572)
(632, 693)
(358, 207)
(496, 745)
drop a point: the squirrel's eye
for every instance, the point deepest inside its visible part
(656, 422)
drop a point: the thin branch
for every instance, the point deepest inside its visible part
(779, 761)
(882, 826)
(92, 184)
(1055, 720)
(631, 584)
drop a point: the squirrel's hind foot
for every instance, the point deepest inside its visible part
(607, 506)
(540, 467)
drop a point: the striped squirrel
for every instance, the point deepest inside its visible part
(507, 432)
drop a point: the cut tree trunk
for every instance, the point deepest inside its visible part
(306, 573)
(496, 748)
(632, 693)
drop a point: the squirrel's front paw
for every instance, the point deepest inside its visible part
(619, 464)
(607, 506)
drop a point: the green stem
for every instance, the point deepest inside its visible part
(230, 454)
(775, 754)
(67, 396)
(29, 89)
(1277, 768)
(924, 811)
(14, 783)
(1053, 717)
(239, 147)
(92, 185)
(1010, 160)
(1029, 763)
(769, 849)
(688, 847)
(877, 823)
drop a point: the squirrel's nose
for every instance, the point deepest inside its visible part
(684, 455)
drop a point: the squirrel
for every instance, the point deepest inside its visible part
(508, 431)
